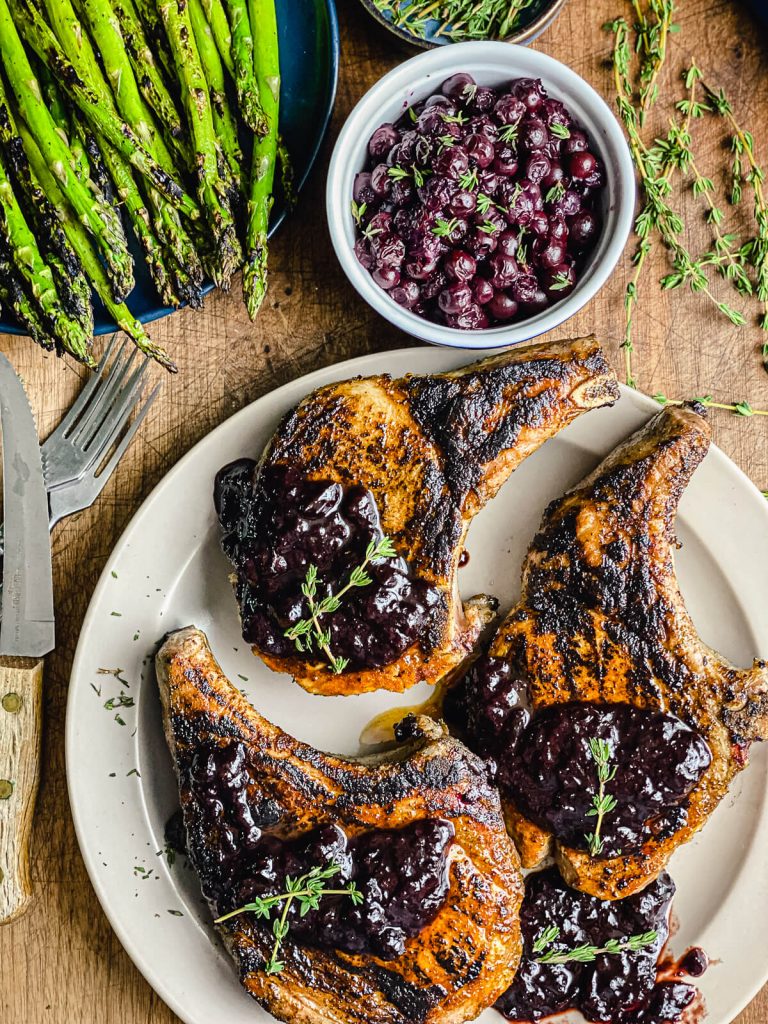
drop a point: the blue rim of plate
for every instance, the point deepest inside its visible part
(332, 85)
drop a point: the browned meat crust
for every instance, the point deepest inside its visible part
(462, 961)
(602, 619)
(434, 450)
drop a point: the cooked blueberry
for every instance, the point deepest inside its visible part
(478, 170)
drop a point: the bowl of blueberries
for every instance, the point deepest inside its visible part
(480, 194)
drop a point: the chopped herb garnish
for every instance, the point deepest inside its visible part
(397, 173)
(358, 212)
(509, 132)
(559, 130)
(419, 175)
(444, 228)
(560, 282)
(556, 192)
(468, 180)
(123, 700)
(454, 118)
(169, 853)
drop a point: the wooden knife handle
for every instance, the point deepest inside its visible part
(21, 693)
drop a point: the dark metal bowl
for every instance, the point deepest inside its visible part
(533, 22)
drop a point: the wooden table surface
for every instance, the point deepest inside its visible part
(62, 964)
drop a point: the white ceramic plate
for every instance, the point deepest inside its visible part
(168, 572)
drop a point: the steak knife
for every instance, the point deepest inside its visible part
(26, 635)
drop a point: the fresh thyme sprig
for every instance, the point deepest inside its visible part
(308, 630)
(755, 251)
(602, 803)
(655, 166)
(677, 150)
(653, 27)
(306, 891)
(458, 19)
(586, 953)
(741, 408)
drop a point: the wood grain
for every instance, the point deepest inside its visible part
(61, 962)
(21, 705)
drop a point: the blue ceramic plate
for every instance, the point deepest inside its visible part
(309, 65)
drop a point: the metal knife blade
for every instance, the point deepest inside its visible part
(28, 622)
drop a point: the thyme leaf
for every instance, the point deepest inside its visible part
(306, 891)
(602, 803)
(586, 953)
(308, 631)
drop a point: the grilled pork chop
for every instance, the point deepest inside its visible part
(414, 459)
(602, 620)
(244, 782)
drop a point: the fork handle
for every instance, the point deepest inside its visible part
(21, 692)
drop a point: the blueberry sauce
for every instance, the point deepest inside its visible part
(276, 523)
(479, 206)
(623, 988)
(694, 962)
(545, 764)
(237, 850)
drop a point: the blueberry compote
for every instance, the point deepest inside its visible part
(544, 761)
(402, 873)
(479, 206)
(276, 523)
(617, 988)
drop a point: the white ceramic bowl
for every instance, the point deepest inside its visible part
(490, 63)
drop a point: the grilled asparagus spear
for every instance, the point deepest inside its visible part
(101, 220)
(267, 65)
(212, 190)
(81, 243)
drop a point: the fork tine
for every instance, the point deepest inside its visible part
(83, 398)
(118, 453)
(102, 401)
(82, 493)
(117, 416)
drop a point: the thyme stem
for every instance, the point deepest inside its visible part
(741, 408)
(309, 630)
(602, 803)
(756, 250)
(586, 953)
(307, 890)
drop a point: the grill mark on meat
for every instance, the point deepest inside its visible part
(462, 960)
(601, 619)
(433, 450)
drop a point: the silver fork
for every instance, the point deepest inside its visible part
(73, 455)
